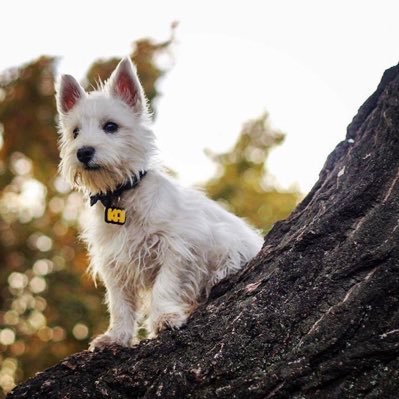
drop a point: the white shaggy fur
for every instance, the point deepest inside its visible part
(176, 243)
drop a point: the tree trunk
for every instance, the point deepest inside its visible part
(314, 315)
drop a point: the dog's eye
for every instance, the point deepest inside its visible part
(75, 132)
(110, 127)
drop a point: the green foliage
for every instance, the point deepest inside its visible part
(242, 182)
(27, 113)
(49, 305)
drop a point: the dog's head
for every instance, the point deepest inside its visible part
(105, 135)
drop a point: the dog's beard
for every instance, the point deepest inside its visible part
(97, 180)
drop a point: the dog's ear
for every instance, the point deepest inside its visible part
(69, 92)
(125, 85)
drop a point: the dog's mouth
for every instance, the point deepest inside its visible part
(91, 167)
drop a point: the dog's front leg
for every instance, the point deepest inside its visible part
(122, 309)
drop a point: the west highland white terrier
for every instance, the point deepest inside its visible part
(145, 233)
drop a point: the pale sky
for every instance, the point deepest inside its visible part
(310, 64)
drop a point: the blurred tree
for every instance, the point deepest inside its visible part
(145, 52)
(242, 182)
(49, 306)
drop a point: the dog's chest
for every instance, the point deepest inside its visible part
(134, 249)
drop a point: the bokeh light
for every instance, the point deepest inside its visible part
(80, 331)
(7, 336)
(37, 284)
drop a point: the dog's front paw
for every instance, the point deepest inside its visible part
(106, 339)
(100, 341)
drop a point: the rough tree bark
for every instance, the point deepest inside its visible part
(314, 315)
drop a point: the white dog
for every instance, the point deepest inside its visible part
(145, 233)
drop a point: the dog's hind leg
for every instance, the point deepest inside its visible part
(169, 309)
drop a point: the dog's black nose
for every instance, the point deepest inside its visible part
(85, 154)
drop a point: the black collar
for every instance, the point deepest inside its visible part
(109, 197)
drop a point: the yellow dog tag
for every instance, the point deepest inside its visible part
(115, 215)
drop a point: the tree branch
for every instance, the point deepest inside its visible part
(315, 314)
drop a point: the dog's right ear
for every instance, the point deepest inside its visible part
(69, 92)
(125, 85)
